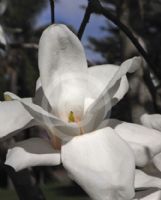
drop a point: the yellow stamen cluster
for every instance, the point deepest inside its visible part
(71, 117)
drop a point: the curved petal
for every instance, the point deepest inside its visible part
(145, 142)
(151, 121)
(154, 196)
(13, 118)
(62, 66)
(40, 98)
(143, 180)
(102, 105)
(100, 76)
(65, 131)
(98, 161)
(149, 138)
(38, 83)
(32, 152)
(141, 153)
(157, 161)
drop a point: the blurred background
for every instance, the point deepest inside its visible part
(21, 24)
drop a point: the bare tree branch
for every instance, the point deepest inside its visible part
(52, 7)
(94, 6)
(24, 45)
(23, 184)
(20, 45)
(86, 19)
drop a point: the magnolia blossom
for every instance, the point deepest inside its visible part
(153, 121)
(71, 103)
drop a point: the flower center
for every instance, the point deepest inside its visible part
(72, 118)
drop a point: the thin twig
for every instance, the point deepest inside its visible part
(52, 7)
(19, 45)
(23, 184)
(94, 6)
(98, 7)
(86, 19)
(24, 45)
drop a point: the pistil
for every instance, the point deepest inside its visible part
(72, 118)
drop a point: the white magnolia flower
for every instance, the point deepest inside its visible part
(153, 121)
(154, 196)
(71, 102)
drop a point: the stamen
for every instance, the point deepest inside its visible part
(72, 118)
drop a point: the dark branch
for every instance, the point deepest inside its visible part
(19, 45)
(86, 19)
(52, 7)
(97, 8)
(24, 45)
(23, 183)
(94, 6)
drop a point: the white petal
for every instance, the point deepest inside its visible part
(13, 118)
(141, 152)
(149, 138)
(38, 84)
(102, 164)
(40, 98)
(62, 66)
(154, 196)
(157, 161)
(99, 78)
(145, 142)
(111, 88)
(38, 111)
(87, 103)
(151, 121)
(65, 130)
(143, 180)
(102, 105)
(32, 152)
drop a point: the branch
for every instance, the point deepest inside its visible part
(19, 45)
(96, 7)
(24, 45)
(23, 184)
(52, 7)
(86, 19)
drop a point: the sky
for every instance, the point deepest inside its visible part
(69, 12)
